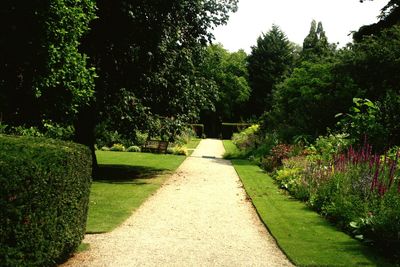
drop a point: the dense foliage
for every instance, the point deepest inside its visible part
(320, 91)
(316, 45)
(354, 188)
(44, 197)
(43, 75)
(227, 72)
(120, 72)
(306, 103)
(330, 135)
(147, 55)
(269, 63)
(389, 17)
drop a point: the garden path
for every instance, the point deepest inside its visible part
(200, 217)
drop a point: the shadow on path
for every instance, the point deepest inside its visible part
(110, 173)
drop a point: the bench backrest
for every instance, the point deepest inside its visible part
(160, 146)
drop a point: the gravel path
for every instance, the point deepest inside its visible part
(200, 217)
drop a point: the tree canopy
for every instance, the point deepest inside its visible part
(229, 72)
(390, 16)
(43, 74)
(316, 45)
(119, 63)
(269, 62)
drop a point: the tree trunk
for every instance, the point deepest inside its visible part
(84, 132)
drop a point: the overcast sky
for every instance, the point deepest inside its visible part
(339, 18)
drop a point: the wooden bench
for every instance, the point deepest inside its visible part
(155, 146)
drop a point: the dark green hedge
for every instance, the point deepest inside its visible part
(44, 195)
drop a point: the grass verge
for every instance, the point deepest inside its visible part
(305, 237)
(231, 150)
(126, 181)
(193, 143)
(83, 247)
(191, 146)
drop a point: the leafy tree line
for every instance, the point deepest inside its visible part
(329, 131)
(125, 65)
(313, 91)
(43, 74)
(134, 66)
(228, 73)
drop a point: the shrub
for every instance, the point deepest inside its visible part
(328, 146)
(47, 129)
(292, 177)
(365, 118)
(178, 150)
(133, 149)
(198, 130)
(140, 138)
(26, 131)
(185, 136)
(106, 137)
(44, 197)
(246, 139)
(3, 128)
(58, 131)
(117, 147)
(277, 154)
(105, 148)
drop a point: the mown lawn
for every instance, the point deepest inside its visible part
(193, 143)
(305, 237)
(126, 180)
(191, 146)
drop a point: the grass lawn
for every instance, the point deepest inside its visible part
(193, 143)
(231, 150)
(127, 180)
(305, 237)
(191, 146)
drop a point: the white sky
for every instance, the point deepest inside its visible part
(339, 18)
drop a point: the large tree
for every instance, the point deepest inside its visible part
(228, 72)
(306, 103)
(43, 75)
(390, 16)
(145, 53)
(270, 60)
(316, 45)
(373, 63)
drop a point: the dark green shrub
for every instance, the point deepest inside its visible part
(384, 224)
(47, 129)
(44, 193)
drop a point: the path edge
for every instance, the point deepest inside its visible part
(259, 216)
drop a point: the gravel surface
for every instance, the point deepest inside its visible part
(200, 217)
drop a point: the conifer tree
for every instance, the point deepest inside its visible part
(316, 45)
(270, 61)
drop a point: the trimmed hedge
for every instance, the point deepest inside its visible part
(44, 195)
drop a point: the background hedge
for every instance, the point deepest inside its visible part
(44, 195)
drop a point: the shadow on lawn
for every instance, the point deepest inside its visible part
(125, 173)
